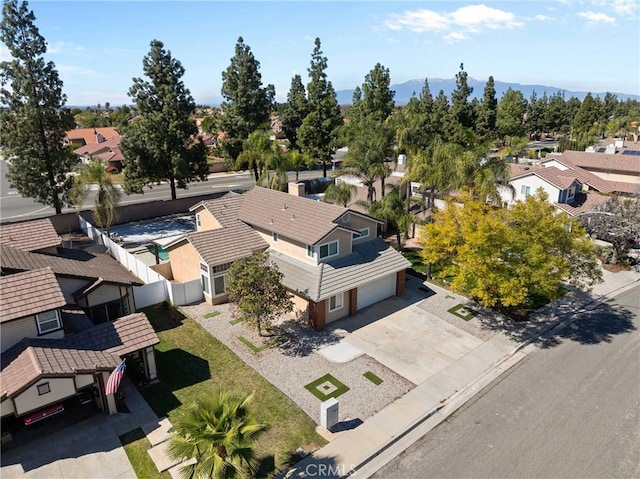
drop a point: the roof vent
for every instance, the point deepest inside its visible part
(293, 217)
(526, 167)
(284, 208)
(271, 221)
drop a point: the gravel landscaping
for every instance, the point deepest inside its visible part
(295, 363)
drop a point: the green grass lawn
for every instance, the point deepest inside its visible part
(136, 445)
(192, 363)
(416, 261)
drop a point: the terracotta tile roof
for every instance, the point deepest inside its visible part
(294, 217)
(19, 297)
(114, 154)
(561, 179)
(616, 163)
(30, 235)
(97, 148)
(81, 265)
(31, 359)
(583, 203)
(594, 181)
(87, 136)
(122, 336)
(96, 349)
(368, 261)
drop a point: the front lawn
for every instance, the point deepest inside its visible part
(136, 446)
(191, 363)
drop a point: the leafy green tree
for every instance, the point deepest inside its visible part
(247, 104)
(393, 209)
(295, 111)
(511, 114)
(105, 209)
(414, 124)
(339, 193)
(121, 117)
(33, 122)
(162, 144)
(509, 258)
(536, 115)
(587, 116)
(218, 431)
(487, 112)
(255, 290)
(376, 97)
(318, 131)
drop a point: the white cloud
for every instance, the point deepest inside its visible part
(625, 7)
(454, 25)
(75, 70)
(543, 18)
(67, 48)
(594, 18)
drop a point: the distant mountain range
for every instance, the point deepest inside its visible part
(404, 91)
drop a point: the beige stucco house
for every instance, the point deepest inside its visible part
(332, 259)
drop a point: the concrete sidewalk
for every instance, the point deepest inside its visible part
(354, 452)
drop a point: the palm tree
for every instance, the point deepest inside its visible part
(339, 193)
(392, 209)
(297, 160)
(217, 431)
(255, 151)
(105, 210)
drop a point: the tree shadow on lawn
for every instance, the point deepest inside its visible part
(177, 369)
(164, 317)
(599, 323)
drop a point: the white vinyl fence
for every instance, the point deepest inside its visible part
(156, 288)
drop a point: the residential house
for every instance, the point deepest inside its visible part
(108, 151)
(331, 257)
(90, 136)
(620, 167)
(67, 320)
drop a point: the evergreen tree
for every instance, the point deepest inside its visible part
(461, 120)
(487, 112)
(414, 124)
(295, 111)
(247, 104)
(511, 114)
(440, 114)
(162, 144)
(319, 128)
(33, 122)
(377, 98)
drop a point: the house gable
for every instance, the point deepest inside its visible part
(32, 235)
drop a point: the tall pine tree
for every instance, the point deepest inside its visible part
(319, 128)
(162, 143)
(247, 104)
(33, 122)
(486, 122)
(295, 110)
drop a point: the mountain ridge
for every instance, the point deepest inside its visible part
(404, 91)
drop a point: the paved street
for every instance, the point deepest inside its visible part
(570, 410)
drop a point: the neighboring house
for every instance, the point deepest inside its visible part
(617, 166)
(90, 136)
(51, 300)
(561, 186)
(332, 259)
(107, 151)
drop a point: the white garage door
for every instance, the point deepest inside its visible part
(376, 291)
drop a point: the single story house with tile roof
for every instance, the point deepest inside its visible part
(38, 372)
(91, 136)
(332, 259)
(33, 235)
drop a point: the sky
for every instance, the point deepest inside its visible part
(579, 45)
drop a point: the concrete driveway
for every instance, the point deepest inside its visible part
(415, 336)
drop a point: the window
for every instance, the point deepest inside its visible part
(335, 302)
(205, 284)
(364, 233)
(274, 236)
(43, 389)
(218, 285)
(198, 222)
(329, 249)
(48, 321)
(571, 193)
(525, 190)
(311, 252)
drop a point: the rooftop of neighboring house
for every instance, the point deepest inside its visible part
(91, 136)
(96, 349)
(113, 154)
(613, 163)
(561, 179)
(73, 263)
(95, 148)
(583, 203)
(20, 298)
(295, 217)
(30, 235)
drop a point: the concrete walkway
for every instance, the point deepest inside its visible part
(353, 452)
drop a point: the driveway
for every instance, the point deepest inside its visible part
(415, 336)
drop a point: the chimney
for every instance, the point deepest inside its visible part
(296, 189)
(611, 150)
(99, 138)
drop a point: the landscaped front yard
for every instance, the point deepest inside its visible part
(192, 363)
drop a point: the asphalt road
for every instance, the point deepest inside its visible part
(14, 207)
(570, 410)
